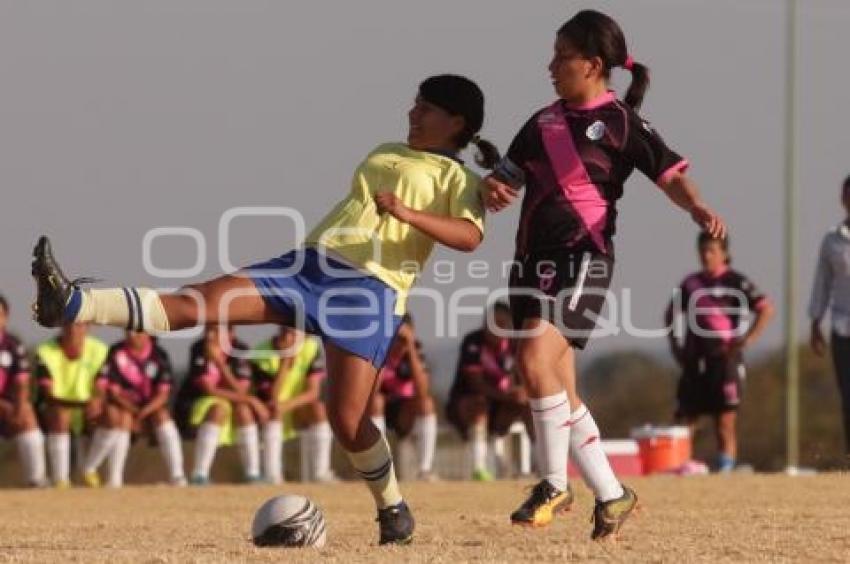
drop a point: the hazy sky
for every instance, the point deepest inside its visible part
(118, 117)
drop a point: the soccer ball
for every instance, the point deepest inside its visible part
(289, 521)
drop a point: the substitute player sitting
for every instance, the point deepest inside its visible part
(218, 394)
(715, 302)
(17, 416)
(288, 374)
(486, 397)
(71, 390)
(139, 379)
(407, 402)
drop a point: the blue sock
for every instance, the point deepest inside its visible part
(725, 462)
(72, 308)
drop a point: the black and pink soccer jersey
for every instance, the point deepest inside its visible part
(714, 306)
(138, 375)
(573, 162)
(477, 358)
(14, 365)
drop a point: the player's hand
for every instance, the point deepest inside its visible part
(497, 195)
(388, 202)
(817, 340)
(709, 221)
(405, 335)
(260, 409)
(93, 409)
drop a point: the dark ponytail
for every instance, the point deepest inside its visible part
(488, 154)
(594, 34)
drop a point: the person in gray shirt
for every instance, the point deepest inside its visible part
(831, 291)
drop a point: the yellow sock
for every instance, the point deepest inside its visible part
(375, 465)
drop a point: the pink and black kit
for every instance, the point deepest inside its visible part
(573, 162)
(713, 306)
(138, 375)
(495, 367)
(397, 386)
(14, 370)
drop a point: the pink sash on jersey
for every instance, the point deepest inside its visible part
(132, 372)
(572, 177)
(713, 311)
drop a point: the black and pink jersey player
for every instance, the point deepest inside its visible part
(14, 366)
(573, 161)
(139, 375)
(715, 305)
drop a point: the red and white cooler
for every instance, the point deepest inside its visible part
(624, 456)
(663, 449)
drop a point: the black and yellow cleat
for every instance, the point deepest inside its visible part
(542, 505)
(609, 516)
(396, 524)
(52, 286)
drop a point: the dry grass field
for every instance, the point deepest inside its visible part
(709, 519)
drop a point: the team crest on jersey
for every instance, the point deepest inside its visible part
(5, 359)
(150, 369)
(595, 131)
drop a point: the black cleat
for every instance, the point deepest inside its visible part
(52, 286)
(396, 524)
(609, 516)
(542, 505)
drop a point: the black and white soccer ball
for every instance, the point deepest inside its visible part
(289, 521)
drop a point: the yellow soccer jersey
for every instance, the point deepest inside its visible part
(392, 251)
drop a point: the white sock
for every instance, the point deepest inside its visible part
(248, 442)
(586, 451)
(172, 451)
(306, 445)
(206, 443)
(273, 452)
(551, 416)
(381, 423)
(101, 445)
(138, 308)
(31, 452)
(478, 446)
(117, 458)
(425, 431)
(59, 455)
(497, 447)
(322, 438)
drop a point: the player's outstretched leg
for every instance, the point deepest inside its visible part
(59, 300)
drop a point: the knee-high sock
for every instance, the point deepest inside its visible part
(551, 416)
(248, 442)
(273, 452)
(375, 465)
(586, 451)
(59, 456)
(425, 431)
(79, 448)
(139, 309)
(31, 452)
(381, 423)
(172, 451)
(101, 445)
(497, 447)
(322, 438)
(478, 446)
(206, 443)
(117, 459)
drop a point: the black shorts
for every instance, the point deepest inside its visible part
(392, 415)
(567, 288)
(710, 385)
(500, 416)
